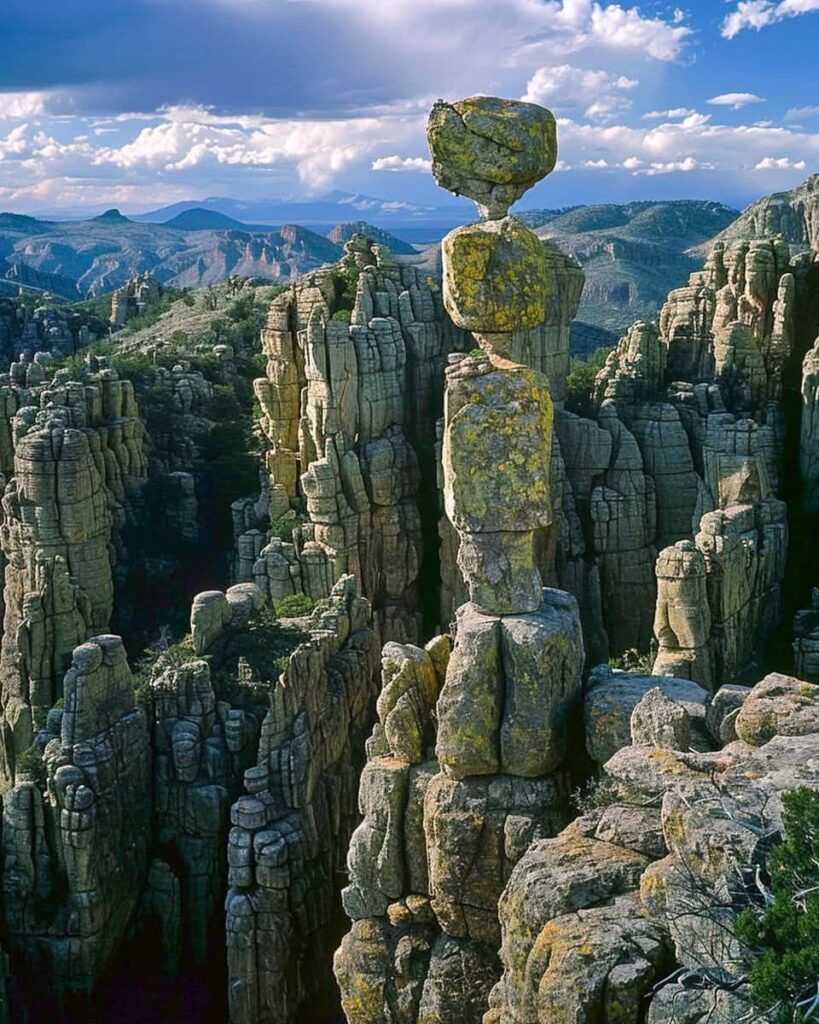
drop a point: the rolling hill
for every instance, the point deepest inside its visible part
(633, 254)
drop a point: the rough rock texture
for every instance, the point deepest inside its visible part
(809, 439)
(806, 641)
(291, 827)
(611, 698)
(680, 466)
(437, 843)
(441, 834)
(78, 464)
(75, 839)
(492, 150)
(349, 414)
(595, 919)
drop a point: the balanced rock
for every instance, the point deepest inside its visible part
(495, 277)
(492, 150)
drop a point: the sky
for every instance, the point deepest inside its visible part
(141, 103)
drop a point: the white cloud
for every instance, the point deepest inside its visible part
(783, 163)
(736, 100)
(684, 166)
(317, 150)
(758, 14)
(669, 115)
(398, 163)
(694, 144)
(618, 28)
(23, 104)
(801, 113)
(566, 87)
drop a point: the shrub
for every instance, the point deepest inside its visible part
(600, 792)
(784, 936)
(632, 660)
(158, 658)
(580, 382)
(342, 316)
(294, 605)
(31, 763)
(345, 281)
(284, 524)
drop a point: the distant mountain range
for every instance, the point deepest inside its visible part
(409, 220)
(632, 254)
(196, 247)
(793, 214)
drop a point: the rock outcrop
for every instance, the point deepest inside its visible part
(78, 466)
(628, 914)
(442, 831)
(76, 831)
(292, 825)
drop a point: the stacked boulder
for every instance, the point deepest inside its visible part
(449, 810)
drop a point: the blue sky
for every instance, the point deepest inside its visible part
(140, 103)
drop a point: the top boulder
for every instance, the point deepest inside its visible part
(490, 149)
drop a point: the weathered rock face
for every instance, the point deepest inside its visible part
(441, 833)
(75, 846)
(594, 919)
(291, 827)
(685, 451)
(349, 412)
(809, 437)
(446, 818)
(134, 298)
(78, 468)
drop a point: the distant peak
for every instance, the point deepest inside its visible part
(112, 217)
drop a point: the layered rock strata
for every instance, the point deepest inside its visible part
(76, 452)
(690, 467)
(349, 408)
(291, 827)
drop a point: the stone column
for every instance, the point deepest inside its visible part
(442, 833)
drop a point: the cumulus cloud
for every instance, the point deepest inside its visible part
(736, 100)
(398, 163)
(694, 144)
(782, 163)
(759, 14)
(317, 150)
(565, 87)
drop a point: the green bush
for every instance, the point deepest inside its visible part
(783, 937)
(284, 524)
(580, 382)
(31, 764)
(342, 316)
(632, 660)
(345, 281)
(158, 659)
(294, 605)
(602, 792)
